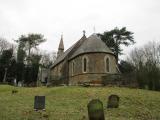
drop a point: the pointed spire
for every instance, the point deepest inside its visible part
(61, 45)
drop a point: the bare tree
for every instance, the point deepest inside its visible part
(136, 57)
(147, 63)
(152, 52)
(4, 45)
(47, 58)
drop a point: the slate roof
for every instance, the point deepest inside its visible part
(91, 44)
(62, 57)
(68, 51)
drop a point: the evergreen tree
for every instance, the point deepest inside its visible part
(28, 70)
(117, 37)
(5, 63)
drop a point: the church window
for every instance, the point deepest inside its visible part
(85, 64)
(107, 65)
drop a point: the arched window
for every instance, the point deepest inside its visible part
(107, 65)
(73, 65)
(84, 64)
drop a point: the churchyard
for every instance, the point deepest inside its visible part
(71, 103)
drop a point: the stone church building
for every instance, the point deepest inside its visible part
(86, 61)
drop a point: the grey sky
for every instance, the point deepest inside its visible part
(70, 17)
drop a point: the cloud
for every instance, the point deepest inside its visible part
(52, 17)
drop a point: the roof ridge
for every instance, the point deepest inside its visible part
(77, 45)
(91, 45)
(70, 51)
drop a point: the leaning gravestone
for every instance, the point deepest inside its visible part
(39, 103)
(113, 101)
(95, 110)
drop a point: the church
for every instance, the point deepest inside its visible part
(84, 62)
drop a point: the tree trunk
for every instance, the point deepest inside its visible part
(116, 50)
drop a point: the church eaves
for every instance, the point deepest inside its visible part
(92, 44)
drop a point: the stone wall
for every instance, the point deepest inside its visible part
(56, 71)
(95, 68)
(86, 77)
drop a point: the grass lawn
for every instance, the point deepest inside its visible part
(70, 103)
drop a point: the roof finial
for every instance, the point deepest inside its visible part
(84, 32)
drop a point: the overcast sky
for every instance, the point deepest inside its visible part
(70, 17)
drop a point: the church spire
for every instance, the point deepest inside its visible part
(61, 47)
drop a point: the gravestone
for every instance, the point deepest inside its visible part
(19, 84)
(39, 103)
(113, 101)
(95, 110)
(15, 82)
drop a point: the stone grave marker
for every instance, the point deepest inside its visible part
(15, 82)
(95, 110)
(19, 84)
(113, 101)
(39, 103)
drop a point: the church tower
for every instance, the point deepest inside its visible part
(61, 47)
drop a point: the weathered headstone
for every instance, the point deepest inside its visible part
(113, 101)
(19, 84)
(39, 103)
(95, 110)
(15, 82)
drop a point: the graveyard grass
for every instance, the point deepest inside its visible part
(70, 103)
